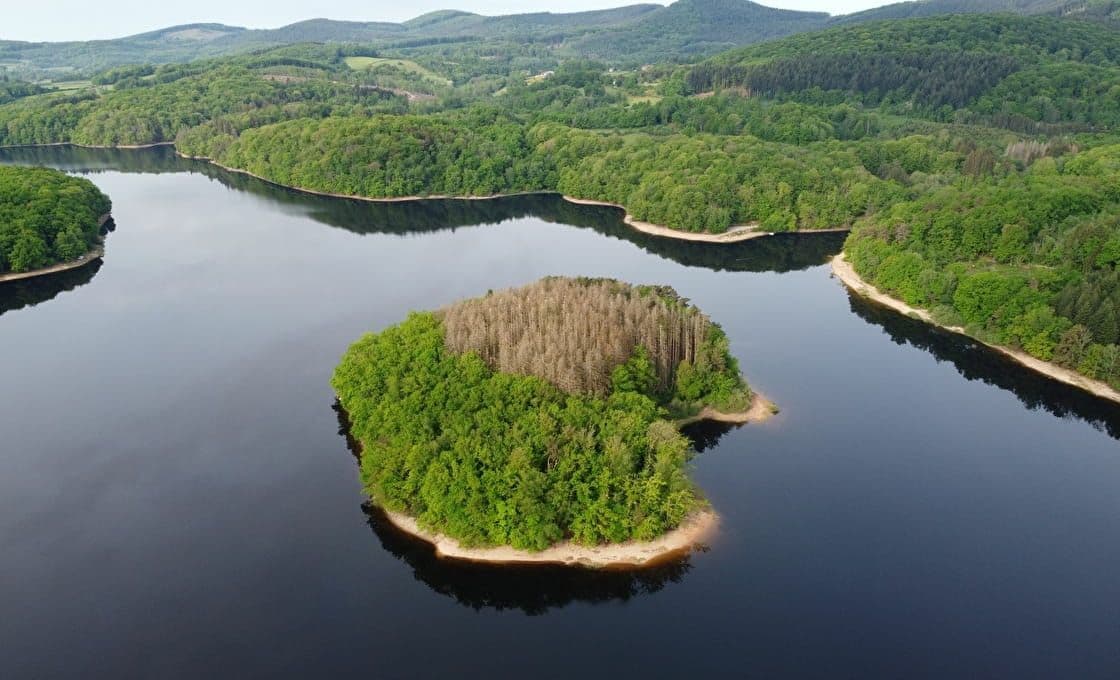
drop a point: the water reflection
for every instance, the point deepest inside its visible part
(706, 434)
(30, 292)
(787, 252)
(533, 589)
(976, 361)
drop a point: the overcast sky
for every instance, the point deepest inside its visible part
(86, 19)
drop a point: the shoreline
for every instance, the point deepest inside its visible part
(760, 410)
(844, 271)
(96, 253)
(735, 234)
(693, 531)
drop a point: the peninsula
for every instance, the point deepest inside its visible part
(540, 424)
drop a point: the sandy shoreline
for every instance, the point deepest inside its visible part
(697, 528)
(761, 410)
(96, 253)
(735, 234)
(844, 271)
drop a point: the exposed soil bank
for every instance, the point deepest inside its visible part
(698, 527)
(742, 232)
(844, 271)
(96, 253)
(761, 409)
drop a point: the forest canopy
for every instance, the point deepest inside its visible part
(46, 217)
(464, 427)
(1029, 260)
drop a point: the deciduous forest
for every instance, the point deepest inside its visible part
(46, 217)
(462, 427)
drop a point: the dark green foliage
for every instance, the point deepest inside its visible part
(393, 156)
(1016, 72)
(11, 90)
(46, 217)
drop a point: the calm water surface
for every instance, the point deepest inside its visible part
(176, 499)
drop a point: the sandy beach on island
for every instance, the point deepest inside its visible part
(843, 270)
(96, 253)
(697, 528)
(692, 533)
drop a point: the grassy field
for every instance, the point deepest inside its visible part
(365, 63)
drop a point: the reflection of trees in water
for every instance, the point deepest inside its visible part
(976, 361)
(533, 589)
(29, 292)
(706, 434)
(786, 252)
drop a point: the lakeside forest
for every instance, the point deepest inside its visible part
(539, 414)
(974, 157)
(46, 217)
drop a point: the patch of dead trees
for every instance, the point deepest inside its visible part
(574, 332)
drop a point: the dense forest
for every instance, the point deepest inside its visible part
(939, 68)
(482, 449)
(1029, 260)
(46, 217)
(990, 128)
(809, 132)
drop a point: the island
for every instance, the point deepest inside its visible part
(541, 424)
(49, 222)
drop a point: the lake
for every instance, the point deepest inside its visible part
(176, 499)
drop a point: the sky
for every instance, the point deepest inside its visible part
(54, 20)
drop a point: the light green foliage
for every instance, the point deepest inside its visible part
(499, 459)
(1028, 259)
(470, 421)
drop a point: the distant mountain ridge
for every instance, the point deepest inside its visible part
(1103, 10)
(684, 30)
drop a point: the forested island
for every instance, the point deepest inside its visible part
(539, 424)
(49, 221)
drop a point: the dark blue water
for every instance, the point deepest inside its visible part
(176, 500)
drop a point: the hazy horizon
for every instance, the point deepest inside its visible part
(119, 18)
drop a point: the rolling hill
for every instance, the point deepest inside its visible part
(635, 34)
